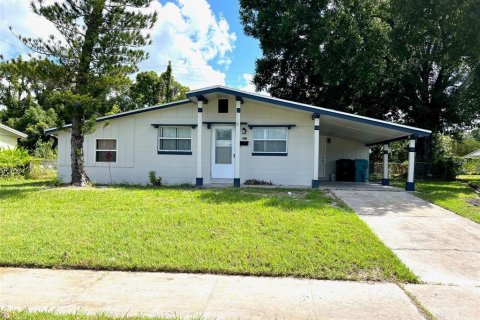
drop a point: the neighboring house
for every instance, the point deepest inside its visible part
(9, 137)
(473, 155)
(225, 135)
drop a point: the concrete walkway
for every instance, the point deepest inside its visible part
(211, 296)
(442, 248)
(363, 186)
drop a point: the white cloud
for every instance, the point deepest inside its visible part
(187, 33)
(19, 15)
(249, 86)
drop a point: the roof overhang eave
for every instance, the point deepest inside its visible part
(125, 114)
(408, 130)
(13, 131)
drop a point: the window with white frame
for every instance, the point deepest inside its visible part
(174, 139)
(270, 140)
(106, 150)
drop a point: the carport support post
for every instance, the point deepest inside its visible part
(385, 180)
(316, 150)
(236, 179)
(199, 180)
(410, 185)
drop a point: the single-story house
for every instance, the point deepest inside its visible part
(9, 137)
(224, 135)
(473, 155)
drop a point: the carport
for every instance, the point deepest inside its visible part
(373, 132)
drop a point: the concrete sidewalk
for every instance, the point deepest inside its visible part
(211, 296)
(440, 247)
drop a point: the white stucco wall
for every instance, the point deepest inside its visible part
(343, 149)
(7, 140)
(137, 147)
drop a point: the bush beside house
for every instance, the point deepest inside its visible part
(18, 162)
(14, 162)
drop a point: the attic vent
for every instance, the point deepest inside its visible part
(222, 105)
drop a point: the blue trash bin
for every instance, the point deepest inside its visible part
(361, 170)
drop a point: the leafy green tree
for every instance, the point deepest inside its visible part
(45, 149)
(150, 89)
(437, 74)
(475, 134)
(327, 53)
(24, 83)
(33, 122)
(146, 91)
(25, 87)
(466, 146)
(99, 45)
(177, 91)
(167, 78)
(409, 60)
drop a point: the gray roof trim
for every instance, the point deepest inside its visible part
(474, 154)
(128, 113)
(307, 107)
(276, 101)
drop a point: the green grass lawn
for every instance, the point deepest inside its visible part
(455, 196)
(472, 180)
(27, 315)
(232, 231)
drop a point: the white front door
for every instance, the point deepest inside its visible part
(223, 151)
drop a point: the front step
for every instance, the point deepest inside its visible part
(220, 182)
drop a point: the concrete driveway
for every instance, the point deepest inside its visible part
(440, 247)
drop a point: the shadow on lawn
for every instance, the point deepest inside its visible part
(444, 189)
(283, 199)
(27, 183)
(19, 189)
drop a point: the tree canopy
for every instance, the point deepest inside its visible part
(416, 62)
(100, 44)
(31, 96)
(151, 88)
(25, 91)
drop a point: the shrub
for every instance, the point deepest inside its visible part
(256, 182)
(14, 162)
(447, 168)
(471, 166)
(186, 185)
(44, 150)
(154, 180)
(40, 170)
(375, 177)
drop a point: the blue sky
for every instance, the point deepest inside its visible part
(203, 39)
(247, 49)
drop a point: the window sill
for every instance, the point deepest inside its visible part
(270, 154)
(175, 152)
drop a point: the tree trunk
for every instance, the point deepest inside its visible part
(79, 176)
(93, 23)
